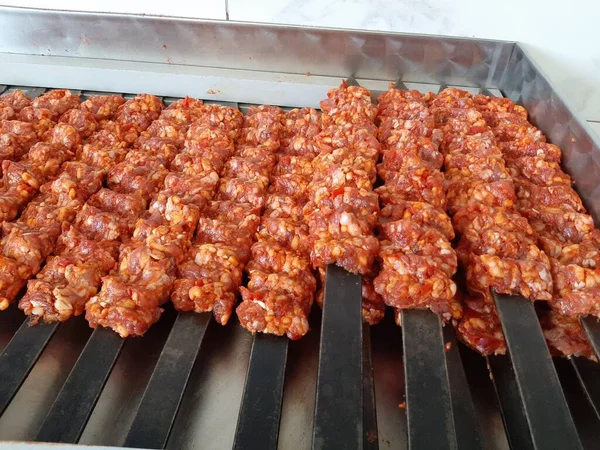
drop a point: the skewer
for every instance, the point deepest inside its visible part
(511, 407)
(588, 373)
(467, 429)
(260, 412)
(155, 416)
(370, 441)
(428, 398)
(586, 421)
(19, 356)
(591, 325)
(544, 402)
(72, 408)
(339, 400)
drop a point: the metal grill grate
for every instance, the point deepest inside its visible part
(186, 382)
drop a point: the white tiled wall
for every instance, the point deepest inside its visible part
(562, 36)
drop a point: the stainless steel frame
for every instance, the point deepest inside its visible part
(255, 63)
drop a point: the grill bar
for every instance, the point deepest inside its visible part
(73, 406)
(588, 373)
(468, 431)
(428, 399)
(591, 325)
(160, 403)
(260, 413)
(19, 356)
(370, 441)
(546, 409)
(339, 399)
(511, 406)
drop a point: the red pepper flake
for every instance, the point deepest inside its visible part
(164, 46)
(336, 192)
(448, 346)
(256, 295)
(402, 405)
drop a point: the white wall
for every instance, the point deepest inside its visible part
(564, 37)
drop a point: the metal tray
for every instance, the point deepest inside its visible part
(287, 66)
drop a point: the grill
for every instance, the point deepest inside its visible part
(192, 383)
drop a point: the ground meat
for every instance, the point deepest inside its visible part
(76, 181)
(102, 107)
(29, 247)
(565, 335)
(419, 184)
(68, 280)
(126, 308)
(83, 121)
(495, 194)
(244, 191)
(48, 158)
(40, 118)
(530, 196)
(57, 101)
(19, 136)
(145, 178)
(13, 276)
(17, 100)
(209, 281)
(223, 118)
(480, 327)
(420, 213)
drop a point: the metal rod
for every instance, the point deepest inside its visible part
(160, 403)
(546, 409)
(486, 91)
(591, 325)
(19, 356)
(400, 85)
(339, 399)
(260, 412)
(588, 373)
(467, 429)
(511, 406)
(428, 400)
(351, 81)
(72, 408)
(370, 441)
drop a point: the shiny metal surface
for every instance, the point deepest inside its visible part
(255, 64)
(248, 46)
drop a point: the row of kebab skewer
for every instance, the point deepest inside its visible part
(112, 208)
